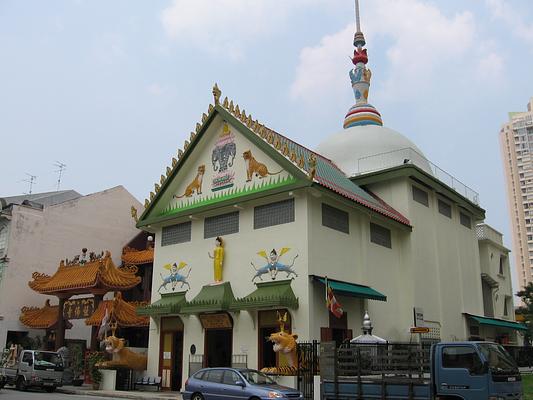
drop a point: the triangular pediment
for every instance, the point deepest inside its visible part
(226, 161)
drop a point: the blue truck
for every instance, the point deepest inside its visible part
(455, 370)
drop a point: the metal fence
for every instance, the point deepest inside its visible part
(307, 367)
(522, 355)
(385, 360)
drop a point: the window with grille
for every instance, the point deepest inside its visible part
(465, 220)
(281, 212)
(420, 196)
(174, 234)
(335, 219)
(445, 209)
(380, 235)
(220, 225)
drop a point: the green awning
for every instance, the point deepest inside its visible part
(269, 294)
(170, 303)
(215, 297)
(351, 289)
(501, 323)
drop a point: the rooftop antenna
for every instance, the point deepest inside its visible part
(62, 167)
(31, 180)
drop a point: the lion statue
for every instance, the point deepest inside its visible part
(285, 343)
(122, 356)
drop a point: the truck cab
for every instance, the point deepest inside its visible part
(474, 370)
(35, 368)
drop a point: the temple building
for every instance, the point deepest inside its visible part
(39, 230)
(251, 226)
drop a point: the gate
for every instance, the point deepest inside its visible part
(307, 367)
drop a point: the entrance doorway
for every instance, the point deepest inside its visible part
(171, 353)
(269, 322)
(337, 331)
(218, 347)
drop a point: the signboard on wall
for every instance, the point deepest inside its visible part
(216, 321)
(419, 317)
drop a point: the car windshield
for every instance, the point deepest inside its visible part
(256, 377)
(48, 360)
(499, 360)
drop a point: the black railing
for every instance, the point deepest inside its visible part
(522, 355)
(308, 367)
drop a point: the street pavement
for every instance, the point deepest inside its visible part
(77, 393)
(11, 394)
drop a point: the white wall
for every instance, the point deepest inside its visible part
(40, 239)
(240, 249)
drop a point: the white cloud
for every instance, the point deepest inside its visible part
(502, 10)
(423, 45)
(226, 26)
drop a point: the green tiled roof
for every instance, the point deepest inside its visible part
(170, 303)
(501, 323)
(269, 294)
(216, 297)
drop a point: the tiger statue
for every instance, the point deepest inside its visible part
(122, 356)
(285, 343)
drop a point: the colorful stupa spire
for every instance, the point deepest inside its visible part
(362, 113)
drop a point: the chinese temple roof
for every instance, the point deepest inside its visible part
(96, 275)
(41, 318)
(121, 311)
(131, 256)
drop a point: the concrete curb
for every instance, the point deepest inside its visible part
(119, 394)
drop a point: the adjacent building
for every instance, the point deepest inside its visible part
(38, 231)
(516, 140)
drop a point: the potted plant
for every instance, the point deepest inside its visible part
(94, 372)
(77, 366)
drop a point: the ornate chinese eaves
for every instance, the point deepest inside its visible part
(123, 312)
(41, 317)
(94, 276)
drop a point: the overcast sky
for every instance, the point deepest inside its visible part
(113, 88)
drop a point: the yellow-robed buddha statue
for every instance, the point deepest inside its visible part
(218, 258)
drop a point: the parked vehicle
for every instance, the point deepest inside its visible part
(232, 383)
(2, 379)
(35, 368)
(456, 370)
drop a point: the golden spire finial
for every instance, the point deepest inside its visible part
(216, 93)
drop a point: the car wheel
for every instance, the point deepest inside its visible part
(197, 396)
(50, 389)
(254, 398)
(21, 384)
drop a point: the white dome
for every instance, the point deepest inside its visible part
(367, 148)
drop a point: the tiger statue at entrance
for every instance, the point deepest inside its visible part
(285, 343)
(122, 356)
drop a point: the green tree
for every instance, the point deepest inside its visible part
(527, 309)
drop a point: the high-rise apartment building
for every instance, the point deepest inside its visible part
(516, 139)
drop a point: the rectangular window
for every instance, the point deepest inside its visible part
(445, 209)
(420, 196)
(505, 311)
(380, 235)
(465, 220)
(175, 234)
(281, 212)
(335, 219)
(502, 259)
(459, 357)
(220, 225)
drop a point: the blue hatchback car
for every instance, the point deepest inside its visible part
(233, 383)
